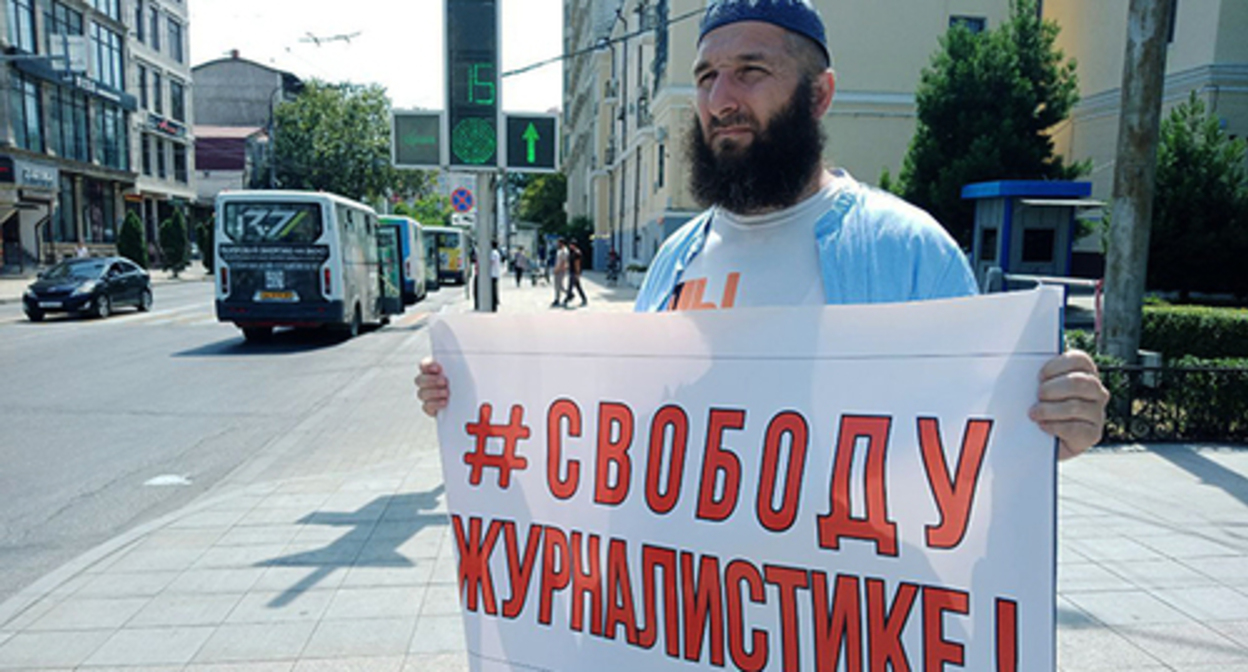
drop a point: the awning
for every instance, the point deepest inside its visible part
(1063, 202)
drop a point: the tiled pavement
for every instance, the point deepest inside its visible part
(354, 570)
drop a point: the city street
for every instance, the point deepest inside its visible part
(114, 422)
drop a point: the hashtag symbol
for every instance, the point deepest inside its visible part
(511, 433)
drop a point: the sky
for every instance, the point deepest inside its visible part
(399, 44)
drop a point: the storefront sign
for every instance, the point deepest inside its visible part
(164, 125)
(28, 173)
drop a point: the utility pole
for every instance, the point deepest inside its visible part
(1143, 78)
(485, 239)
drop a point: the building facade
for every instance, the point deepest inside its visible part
(162, 145)
(629, 95)
(65, 128)
(234, 113)
(1207, 54)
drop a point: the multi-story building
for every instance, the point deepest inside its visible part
(234, 115)
(159, 73)
(629, 102)
(65, 156)
(1207, 54)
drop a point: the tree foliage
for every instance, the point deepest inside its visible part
(174, 248)
(542, 201)
(130, 243)
(1199, 237)
(206, 236)
(336, 138)
(986, 104)
(430, 210)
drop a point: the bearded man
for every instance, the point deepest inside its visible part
(783, 230)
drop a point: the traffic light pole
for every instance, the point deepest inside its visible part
(485, 240)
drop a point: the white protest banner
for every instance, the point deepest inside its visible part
(839, 488)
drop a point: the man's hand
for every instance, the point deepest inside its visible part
(431, 387)
(1071, 403)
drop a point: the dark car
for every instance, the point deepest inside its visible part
(95, 285)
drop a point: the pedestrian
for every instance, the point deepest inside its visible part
(574, 275)
(560, 269)
(81, 251)
(781, 229)
(519, 264)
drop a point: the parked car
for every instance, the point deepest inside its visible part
(94, 285)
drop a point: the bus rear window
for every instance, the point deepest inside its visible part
(448, 239)
(272, 222)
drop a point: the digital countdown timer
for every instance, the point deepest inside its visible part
(472, 87)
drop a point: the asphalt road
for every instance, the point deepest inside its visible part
(111, 423)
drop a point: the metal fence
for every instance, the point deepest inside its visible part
(1163, 403)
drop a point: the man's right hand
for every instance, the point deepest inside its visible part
(431, 387)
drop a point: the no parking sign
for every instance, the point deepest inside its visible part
(462, 200)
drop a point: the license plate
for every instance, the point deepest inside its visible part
(277, 296)
(49, 304)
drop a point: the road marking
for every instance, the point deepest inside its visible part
(167, 480)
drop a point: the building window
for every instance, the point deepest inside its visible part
(179, 162)
(108, 64)
(975, 24)
(145, 149)
(21, 15)
(64, 228)
(110, 135)
(661, 167)
(175, 40)
(60, 20)
(158, 99)
(109, 8)
(139, 16)
(69, 124)
(141, 85)
(161, 171)
(155, 32)
(27, 113)
(1174, 19)
(177, 100)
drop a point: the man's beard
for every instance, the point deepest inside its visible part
(772, 171)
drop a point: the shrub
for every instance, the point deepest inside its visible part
(205, 235)
(1199, 331)
(130, 243)
(1213, 401)
(173, 243)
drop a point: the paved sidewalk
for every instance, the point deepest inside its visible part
(355, 570)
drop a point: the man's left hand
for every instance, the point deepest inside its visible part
(1071, 403)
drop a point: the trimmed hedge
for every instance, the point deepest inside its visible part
(1197, 331)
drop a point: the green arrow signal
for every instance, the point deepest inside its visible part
(530, 138)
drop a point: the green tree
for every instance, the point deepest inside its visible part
(1200, 207)
(336, 138)
(173, 243)
(430, 210)
(542, 202)
(986, 104)
(206, 236)
(130, 242)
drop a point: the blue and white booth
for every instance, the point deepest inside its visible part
(1026, 227)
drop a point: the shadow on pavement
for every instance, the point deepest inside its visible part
(358, 548)
(1208, 471)
(282, 342)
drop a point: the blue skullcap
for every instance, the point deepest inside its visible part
(799, 16)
